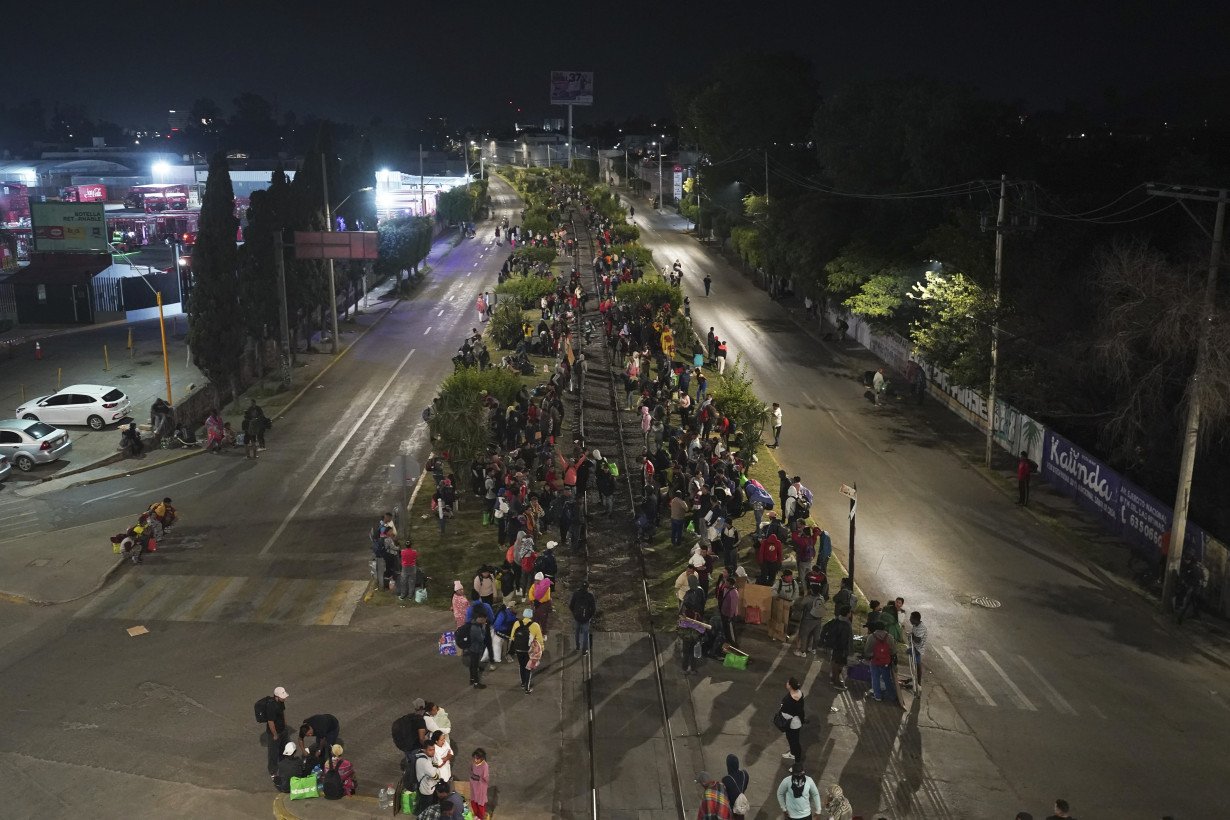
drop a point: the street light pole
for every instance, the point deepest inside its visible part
(999, 276)
(279, 260)
(661, 196)
(422, 186)
(324, 175)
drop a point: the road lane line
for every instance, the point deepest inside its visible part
(441, 313)
(1025, 703)
(1098, 711)
(970, 676)
(428, 330)
(271, 600)
(1056, 699)
(186, 480)
(124, 491)
(340, 448)
(357, 588)
(26, 514)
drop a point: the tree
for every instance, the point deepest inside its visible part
(216, 346)
(268, 214)
(953, 328)
(735, 397)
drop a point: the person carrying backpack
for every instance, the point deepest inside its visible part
(474, 639)
(583, 607)
(838, 636)
(882, 654)
(271, 713)
(811, 622)
(337, 779)
(501, 629)
(523, 638)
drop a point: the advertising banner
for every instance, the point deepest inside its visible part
(1124, 508)
(572, 88)
(678, 181)
(68, 226)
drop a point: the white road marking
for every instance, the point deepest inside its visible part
(1098, 712)
(1024, 702)
(441, 313)
(26, 514)
(970, 676)
(810, 400)
(186, 480)
(124, 491)
(428, 330)
(476, 264)
(1056, 699)
(340, 447)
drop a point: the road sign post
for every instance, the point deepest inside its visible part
(851, 492)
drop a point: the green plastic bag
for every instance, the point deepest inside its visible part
(409, 801)
(735, 661)
(301, 788)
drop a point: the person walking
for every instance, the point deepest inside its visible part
(271, 710)
(408, 580)
(878, 385)
(785, 592)
(838, 636)
(525, 634)
(476, 643)
(255, 423)
(918, 645)
(711, 344)
(721, 356)
(708, 280)
(1024, 471)
(882, 655)
(714, 804)
(777, 425)
(797, 795)
(583, 606)
(836, 805)
(792, 711)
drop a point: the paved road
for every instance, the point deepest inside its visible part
(257, 587)
(1072, 687)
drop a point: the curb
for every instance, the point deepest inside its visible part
(281, 811)
(17, 598)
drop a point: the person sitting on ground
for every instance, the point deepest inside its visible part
(290, 765)
(130, 441)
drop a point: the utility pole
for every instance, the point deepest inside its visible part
(324, 176)
(999, 278)
(766, 176)
(569, 137)
(1191, 427)
(1002, 226)
(279, 261)
(422, 187)
(661, 198)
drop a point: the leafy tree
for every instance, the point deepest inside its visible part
(653, 290)
(268, 213)
(505, 324)
(459, 424)
(953, 328)
(526, 291)
(735, 396)
(216, 346)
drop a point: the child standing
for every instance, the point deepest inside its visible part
(478, 784)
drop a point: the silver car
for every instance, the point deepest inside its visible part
(26, 443)
(5, 467)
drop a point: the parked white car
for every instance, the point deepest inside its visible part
(85, 404)
(26, 443)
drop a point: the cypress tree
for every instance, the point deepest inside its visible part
(215, 332)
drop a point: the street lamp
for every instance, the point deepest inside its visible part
(160, 170)
(324, 178)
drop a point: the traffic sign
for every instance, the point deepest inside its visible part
(848, 491)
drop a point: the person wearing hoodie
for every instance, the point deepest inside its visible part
(797, 795)
(290, 765)
(793, 712)
(836, 805)
(540, 600)
(881, 652)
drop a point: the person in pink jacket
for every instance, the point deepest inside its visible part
(478, 784)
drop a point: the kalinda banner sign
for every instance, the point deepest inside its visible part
(1138, 517)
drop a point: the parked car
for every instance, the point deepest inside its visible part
(92, 404)
(5, 467)
(26, 443)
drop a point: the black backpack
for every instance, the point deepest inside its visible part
(331, 785)
(462, 636)
(827, 634)
(521, 638)
(263, 712)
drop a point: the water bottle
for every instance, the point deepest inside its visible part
(381, 799)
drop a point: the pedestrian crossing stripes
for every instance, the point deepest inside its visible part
(1008, 682)
(228, 599)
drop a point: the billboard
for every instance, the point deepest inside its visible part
(68, 226)
(572, 88)
(678, 183)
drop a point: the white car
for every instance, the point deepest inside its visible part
(92, 404)
(26, 443)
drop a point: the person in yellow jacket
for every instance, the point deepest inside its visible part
(527, 644)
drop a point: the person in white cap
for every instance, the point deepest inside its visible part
(271, 711)
(290, 765)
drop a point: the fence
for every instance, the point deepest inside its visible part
(1123, 508)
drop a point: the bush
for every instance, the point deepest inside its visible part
(535, 254)
(651, 290)
(642, 256)
(624, 233)
(458, 423)
(505, 324)
(526, 291)
(539, 221)
(734, 396)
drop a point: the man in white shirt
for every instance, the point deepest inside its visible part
(777, 424)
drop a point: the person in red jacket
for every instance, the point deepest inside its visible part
(1024, 469)
(770, 558)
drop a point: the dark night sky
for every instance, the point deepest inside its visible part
(131, 61)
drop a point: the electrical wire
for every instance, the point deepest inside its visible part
(1113, 202)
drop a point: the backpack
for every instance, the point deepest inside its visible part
(462, 637)
(331, 785)
(817, 609)
(881, 655)
(521, 639)
(584, 610)
(826, 632)
(263, 711)
(694, 600)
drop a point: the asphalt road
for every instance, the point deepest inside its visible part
(270, 558)
(1073, 687)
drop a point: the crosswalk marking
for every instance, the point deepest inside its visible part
(228, 599)
(1056, 699)
(973, 681)
(1022, 701)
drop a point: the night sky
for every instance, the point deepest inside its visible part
(401, 61)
